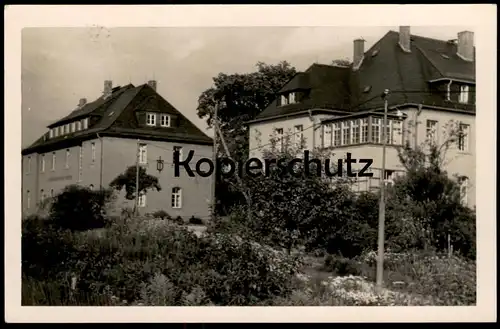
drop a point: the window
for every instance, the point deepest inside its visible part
(61, 130)
(51, 133)
(431, 131)
(66, 128)
(279, 139)
(80, 164)
(291, 98)
(143, 154)
(92, 149)
(389, 177)
(178, 149)
(284, 100)
(327, 136)
(337, 134)
(346, 133)
(355, 131)
(376, 130)
(53, 161)
(388, 132)
(151, 119)
(464, 94)
(298, 135)
(85, 123)
(56, 132)
(397, 132)
(73, 127)
(28, 167)
(176, 197)
(463, 137)
(28, 199)
(165, 120)
(364, 130)
(142, 200)
(68, 155)
(42, 163)
(464, 185)
(91, 187)
(78, 126)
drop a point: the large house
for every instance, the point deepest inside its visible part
(431, 97)
(97, 141)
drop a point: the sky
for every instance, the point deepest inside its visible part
(63, 64)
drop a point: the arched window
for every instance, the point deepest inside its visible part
(91, 187)
(176, 197)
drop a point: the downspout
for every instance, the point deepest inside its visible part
(102, 152)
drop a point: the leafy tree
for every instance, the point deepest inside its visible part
(424, 205)
(78, 208)
(240, 98)
(127, 180)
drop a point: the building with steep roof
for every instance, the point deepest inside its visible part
(432, 92)
(98, 140)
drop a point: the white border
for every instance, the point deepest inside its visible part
(481, 17)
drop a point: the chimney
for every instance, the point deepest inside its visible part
(465, 45)
(404, 38)
(82, 102)
(359, 51)
(152, 84)
(108, 85)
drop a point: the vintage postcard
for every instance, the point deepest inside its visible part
(264, 156)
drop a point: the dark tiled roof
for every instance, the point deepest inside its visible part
(385, 66)
(116, 116)
(327, 88)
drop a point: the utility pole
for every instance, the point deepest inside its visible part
(137, 166)
(214, 156)
(381, 211)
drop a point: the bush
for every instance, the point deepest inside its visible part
(145, 262)
(78, 208)
(46, 250)
(161, 214)
(195, 221)
(178, 220)
(448, 280)
(342, 266)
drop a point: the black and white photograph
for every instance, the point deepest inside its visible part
(274, 165)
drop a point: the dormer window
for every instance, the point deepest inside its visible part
(284, 100)
(464, 94)
(78, 126)
(165, 120)
(85, 123)
(51, 133)
(151, 119)
(288, 98)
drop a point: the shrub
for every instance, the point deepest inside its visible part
(195, 221)
(78, 208)
(341, 265)
(178, 220)
(46, 249)
(162, 214)
(448, 280)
